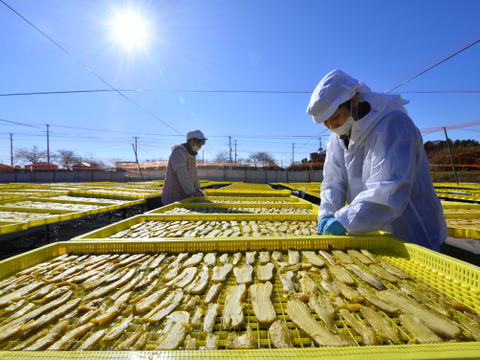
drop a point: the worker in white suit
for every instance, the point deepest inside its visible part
(376, 173)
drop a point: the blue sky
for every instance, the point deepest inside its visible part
(242, 69)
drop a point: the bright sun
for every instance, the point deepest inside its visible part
(130, 30)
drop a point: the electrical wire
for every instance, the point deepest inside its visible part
(18, 123)
(90, 70)
(158, 90)
(221, 91)
(440, 92)
(66, 92)
(167, 135)
(433, 66)
(263, 141)
(450, 127)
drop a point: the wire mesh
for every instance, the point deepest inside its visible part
(420, 273)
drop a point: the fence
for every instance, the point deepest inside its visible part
(62, 176)
(250, 175)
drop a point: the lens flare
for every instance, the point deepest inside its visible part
(130, 30)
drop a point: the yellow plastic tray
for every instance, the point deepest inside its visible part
(311, 207)
(12, 196)
(463, 232)
(461, 215)
(49, 218)
(103, 233)
(312, 188)
(459, 205)
(63, 215)
(38, 191)
(122, 193)
(458, 196)
(7, 227)
(11, 186)
(257, 193)
(457, 186)
(449, 276)
(103, 206)
(132, 199)
(246, 199)
(249, 187)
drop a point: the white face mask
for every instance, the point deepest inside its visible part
(195, 148)
(345, 128)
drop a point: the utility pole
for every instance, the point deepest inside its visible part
(11, 149)
(451, 157)
(48, 144)
(230, 147)
(235, 152)
(293, 153)
(136, 156)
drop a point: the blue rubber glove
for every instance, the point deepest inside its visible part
(322, 223)
(333, 227)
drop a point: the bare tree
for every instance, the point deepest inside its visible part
(95, 163)
(221, 157)
(67, 158)
(112, 162)
(262, 158)
(33, 155)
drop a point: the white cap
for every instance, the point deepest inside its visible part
(196, 134)
(332, 91)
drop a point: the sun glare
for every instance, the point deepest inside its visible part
(130, 30)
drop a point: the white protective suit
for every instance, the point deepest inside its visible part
(383, 175)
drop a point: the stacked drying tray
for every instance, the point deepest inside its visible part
(463, 219)
(312, 188)
(209, 183)
(461, 207)
(13, 222)
(143, 190)
(249, 295)
(35, 205)
(268, 215)
(239, 189)
(466, 192)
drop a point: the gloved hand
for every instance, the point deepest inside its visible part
(197, 193)
(333, 227)
(200, 193)
(322, 223)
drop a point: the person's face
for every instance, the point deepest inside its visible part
(338, 118)
(198, 143)
(343, 112)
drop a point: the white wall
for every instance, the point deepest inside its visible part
(259, 176)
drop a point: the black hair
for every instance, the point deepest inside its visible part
(346, 104)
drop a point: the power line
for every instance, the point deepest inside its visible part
(157, 90)
(65, 92)
(441, 92)
(450, 127)
(431, 67)
(218, 91)
(18, 123)
(88, 69)
(166, 135)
